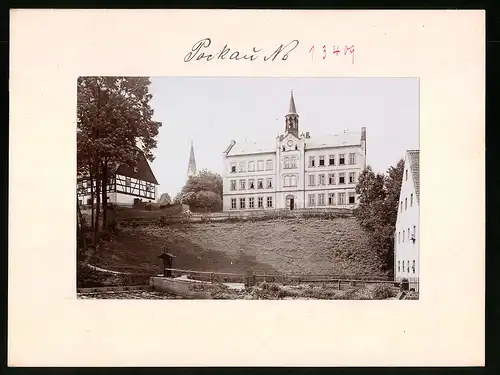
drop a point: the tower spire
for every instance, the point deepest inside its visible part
(192, 162)
(292, 118)
(292, 109)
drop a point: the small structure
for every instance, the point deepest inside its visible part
(168, 261)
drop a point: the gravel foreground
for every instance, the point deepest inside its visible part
(139, 294)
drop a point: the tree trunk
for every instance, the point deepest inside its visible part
(104, 195)
(98, 206)
(82, 228)
(91, 181)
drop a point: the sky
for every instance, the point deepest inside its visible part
(211, 111)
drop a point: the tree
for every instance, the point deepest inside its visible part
(378, 209)
(202, 192)
(113, 113)
(164, 199)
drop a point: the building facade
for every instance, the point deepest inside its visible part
(294, 170)
(125, 184)
(407, 234)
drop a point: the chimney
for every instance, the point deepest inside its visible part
(363, 133)
(307, 135)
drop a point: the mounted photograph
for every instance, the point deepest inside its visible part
(247, 188)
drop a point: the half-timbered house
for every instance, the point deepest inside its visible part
(125, 184)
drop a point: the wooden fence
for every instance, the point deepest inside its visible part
(352, 280)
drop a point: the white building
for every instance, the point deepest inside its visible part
(294, 171)
(125, 184)
(407, 234)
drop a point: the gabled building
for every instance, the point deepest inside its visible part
(125, 184)
(294, 170)
(407, 234)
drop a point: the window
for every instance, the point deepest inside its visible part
(269, 165)
(233, 185)
(251, 166)
(406, 203)
(401, 206)
(341, 159)
(352, 158)
(413, 266)
(341, 198)
(352, 177)
(287, 181)
(269, 183)
(269, 202)
(311, 161)
(242, 166)
(293, 180)
(293, 162)
(414, 231)
(321, 161)
(352, 198)
(406, 175)
(331, 160)
(251, 202)
(260, 165)
(399, 237)
(286, 162)
(312, 180)
(408, 233)
(408, 266)
(233, 203)
(251, 183)
(403, 236)
(260, 202)
(312, 200)
(321, 179)
(331, 199)
(321, 199)
(399, 265)
(331, 179)
(242, 203)
(127, 181)
(260, 183)
(242, 184)
(411, 200)
(296, 148)
(148, 187)
(342, 178)
(283, 148)
(233, 167)
(403, 266)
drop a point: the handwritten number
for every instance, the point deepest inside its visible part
(324, 52)
(336, 50)
(311, 51)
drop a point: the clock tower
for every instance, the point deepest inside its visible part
(292, 119)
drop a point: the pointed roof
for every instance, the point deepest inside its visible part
(414, 156)
(292, 109)
(192, 162)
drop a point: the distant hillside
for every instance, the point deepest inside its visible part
(334, 246)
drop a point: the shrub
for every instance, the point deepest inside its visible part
(382, 291)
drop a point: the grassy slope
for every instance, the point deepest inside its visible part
(337, 246)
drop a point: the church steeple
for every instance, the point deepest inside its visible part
(192, 163)
(292, 118)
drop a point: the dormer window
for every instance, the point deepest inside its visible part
(136, 169)
(296, 148)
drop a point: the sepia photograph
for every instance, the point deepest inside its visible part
(247, 188)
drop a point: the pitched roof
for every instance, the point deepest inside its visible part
(143, 173)
(334, 140)
(414, 161)
(249, 147)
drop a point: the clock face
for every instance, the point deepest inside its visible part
(290, 143)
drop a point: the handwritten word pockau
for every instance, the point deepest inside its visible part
(201, 51)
